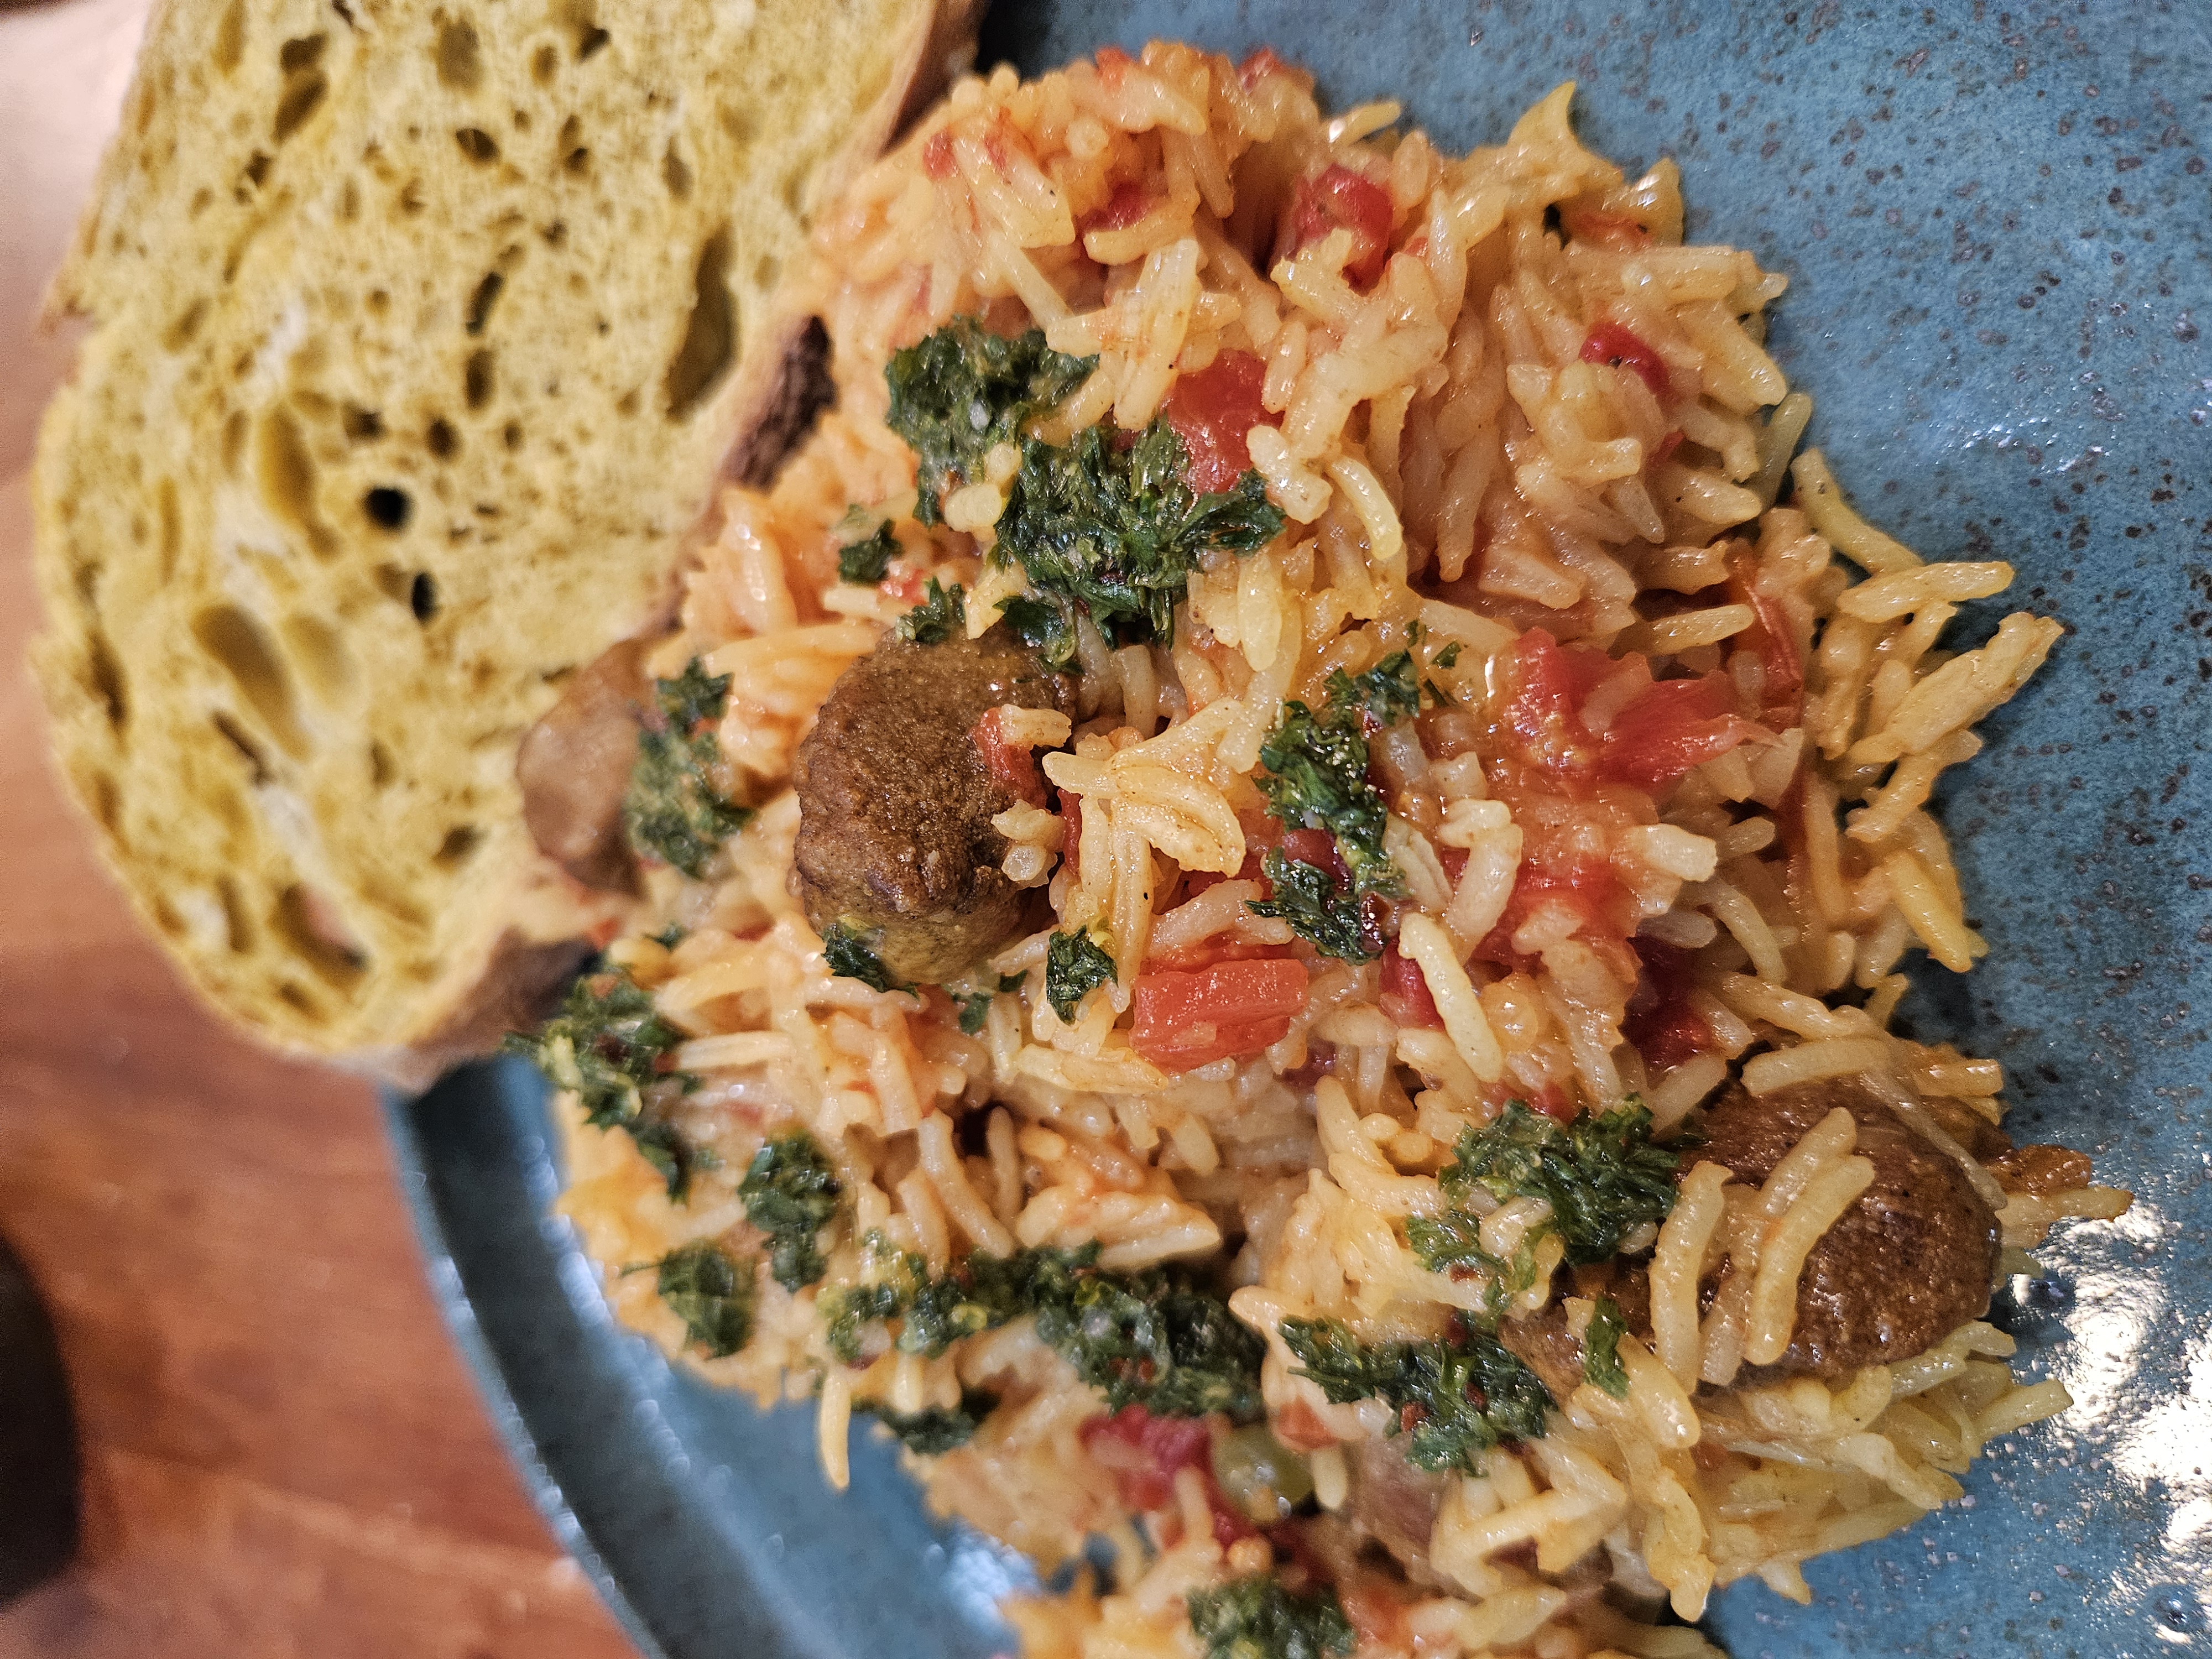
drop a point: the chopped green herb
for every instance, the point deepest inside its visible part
(672, 810)
(1256, 1618)
(853, 1312)
(1602, 1366)
(1046, 629)
(865, 561)
(1074, 966)
(941, 616)
(607, 1046)
(669, 937)
(1452, 1240)
(712, 1291)
(936, 1430)
(790, 1191)
(846, 950)
(660, 1144)
(1150, 1338)
(974, 1009)
(1438, 697)
(1455, 1398)
(963, 390)
(1602, 1174)
(1448, 657)
(1316, 776)
(1335, 922)
(1386, 694)
(1113, 531)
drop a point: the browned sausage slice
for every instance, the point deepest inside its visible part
(1905, 1265)
(574, 765)
(896, 802)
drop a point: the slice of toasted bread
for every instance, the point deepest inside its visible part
(425, 329)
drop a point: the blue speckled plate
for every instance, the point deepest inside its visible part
(1995, 226)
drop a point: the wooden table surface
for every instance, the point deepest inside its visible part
(284, 1454)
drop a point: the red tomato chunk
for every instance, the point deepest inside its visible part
(1145, 1453)
(1609, 342)
(1662, 1023)
(1406, 996)
(1668, 727)
(1673, 725)
(1211, 411)
(1008, 763)
(1339, 198)
(1233, 1008)
(1129, 203)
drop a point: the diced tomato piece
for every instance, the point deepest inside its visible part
(1378, 1617)
(603, 932)
(1590, 224)
(1071, 834)
(1006, 761)
(1259, 66)
(1406, 996)
(1232, 1008)
(1339, 198)
(1318, 848)
(1587, 887)
(1668, 1034)
(903, 583)
(1552, 1101)
(1321, 1061)
(1662, 1022)
(1454, 860)
(1145, 1454)
(1672, 726)
(1610, 343)
(1113, 63)
(1782, 702)
(1543, 699)
(1666, 445)
(1129, 203)
(937, 155)
(1211, 411)
(1299, 1426)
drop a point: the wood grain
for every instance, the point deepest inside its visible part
(284, 1455)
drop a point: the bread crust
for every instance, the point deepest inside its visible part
(300, 605)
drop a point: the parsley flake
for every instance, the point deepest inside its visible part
(790, 1191)
(712, 1292)
(673, 811)
(935, 1431)
(1112, 530)
(1603, 1174)
(849, 955)
(1152, 1338)
(1256, 1618)
(867, 560)
(1455, 1397)
(1602, 1366)
(1074, 966)
(963, 390)
(941, 616)
(606, 1046)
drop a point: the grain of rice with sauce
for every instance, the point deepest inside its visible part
(1634, 831)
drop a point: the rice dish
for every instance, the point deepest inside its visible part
(1277, 871)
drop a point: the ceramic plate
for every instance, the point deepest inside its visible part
(1995, 227)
